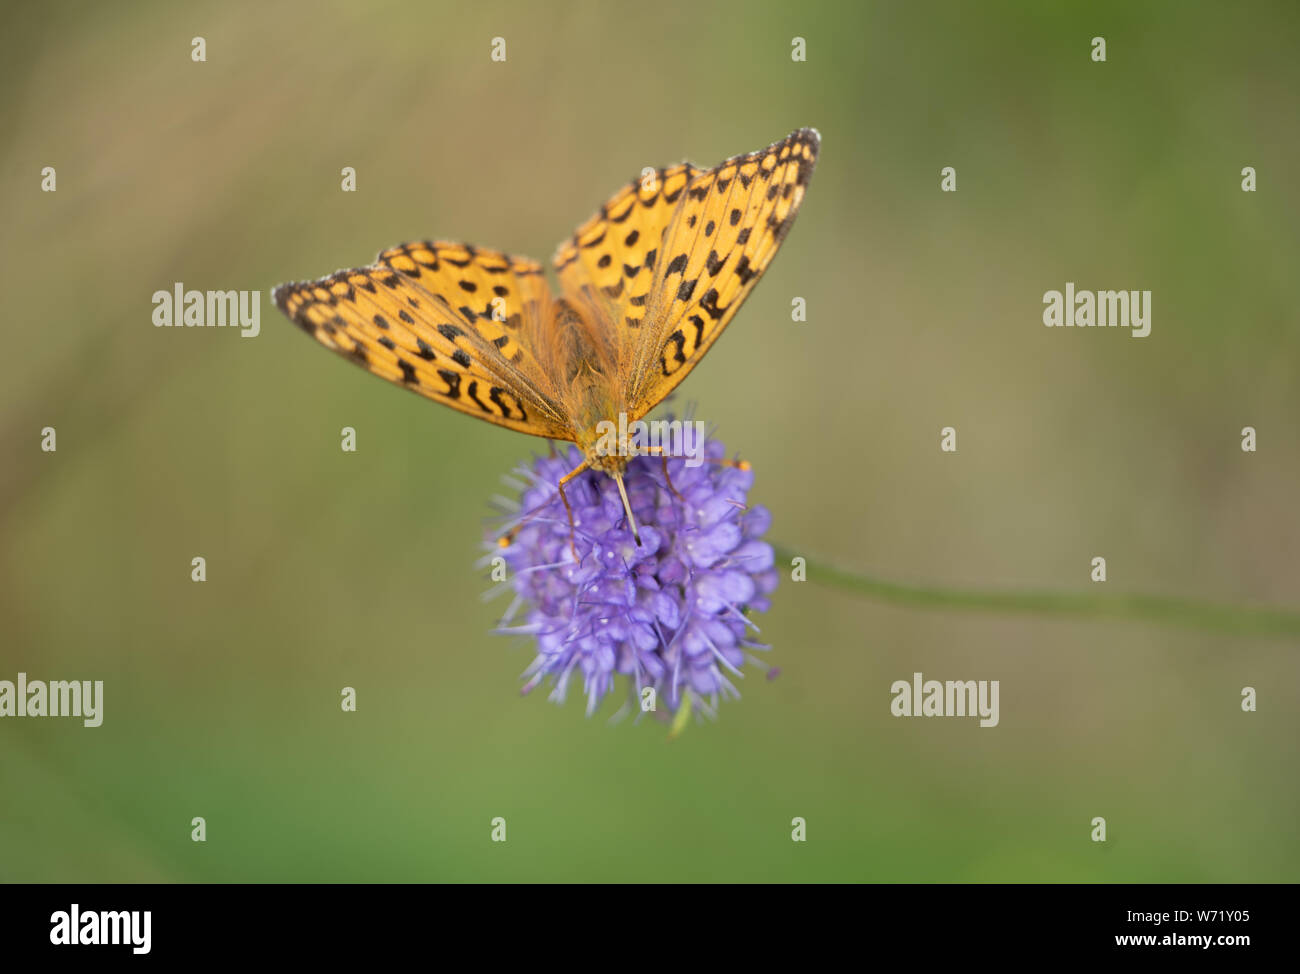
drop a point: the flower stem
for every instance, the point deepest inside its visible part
(1161, 610)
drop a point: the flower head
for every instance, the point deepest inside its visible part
(669, 613)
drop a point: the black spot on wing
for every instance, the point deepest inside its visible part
(673, 347)
(710, 304)
(453, 382)
(744, 271)
(497, 395)
(472, 392)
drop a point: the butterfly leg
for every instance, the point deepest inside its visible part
(507, 539)
(573, 547)
(663, 457)
(724, 462)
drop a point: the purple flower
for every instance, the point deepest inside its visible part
(669, 614)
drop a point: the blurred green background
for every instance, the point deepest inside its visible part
(328, 569)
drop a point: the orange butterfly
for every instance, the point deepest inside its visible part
(648, 284)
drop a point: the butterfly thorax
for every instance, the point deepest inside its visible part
(596, 431)
(590, 394)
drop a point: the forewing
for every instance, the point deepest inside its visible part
(608, 265)
(724, 233)
(454, 323)
(666, 263)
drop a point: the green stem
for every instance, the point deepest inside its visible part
(1240, 620)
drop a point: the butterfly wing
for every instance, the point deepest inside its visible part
(608, 265)
(698, 247)
(454, 323)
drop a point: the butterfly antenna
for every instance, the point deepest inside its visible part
(627, 506)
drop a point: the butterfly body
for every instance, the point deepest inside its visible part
(585, 373)
(647, 285)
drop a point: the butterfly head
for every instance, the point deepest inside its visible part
(603, 449)
(613, 464)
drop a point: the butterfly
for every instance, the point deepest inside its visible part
(646, 287)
